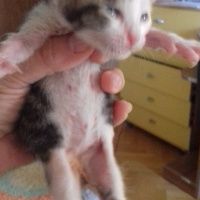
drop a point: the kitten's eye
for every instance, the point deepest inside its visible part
(113, 12)
(144, 17)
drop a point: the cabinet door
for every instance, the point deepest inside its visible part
(160, 98)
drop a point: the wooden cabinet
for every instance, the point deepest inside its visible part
(160, 99)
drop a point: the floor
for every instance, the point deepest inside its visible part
(142, 157)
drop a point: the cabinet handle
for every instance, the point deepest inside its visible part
(159, 21)
(150, 75)
(152, 121)
(150, 99)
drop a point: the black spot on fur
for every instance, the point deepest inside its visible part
(86, 17)
(33, 129)
(108, 108)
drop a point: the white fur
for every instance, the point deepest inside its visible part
(77, 109)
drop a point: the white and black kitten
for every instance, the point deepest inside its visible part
(66, 116)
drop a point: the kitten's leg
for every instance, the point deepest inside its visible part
(17, 48)
(102, 169)
(63, 183)
(40, 24)
(174, 44)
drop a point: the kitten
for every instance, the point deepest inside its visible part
(66, 116)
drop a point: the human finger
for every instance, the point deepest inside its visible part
(112, 80)
(121, 108)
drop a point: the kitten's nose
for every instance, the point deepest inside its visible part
(131, 39)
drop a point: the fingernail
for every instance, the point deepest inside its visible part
(116, 80)
(76, 45)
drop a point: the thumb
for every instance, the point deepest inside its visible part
(64, 52)
(57, 54)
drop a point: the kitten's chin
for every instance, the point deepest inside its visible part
(125, 53)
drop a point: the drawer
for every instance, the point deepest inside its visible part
(183, 22)
(167, 106)
(167, 130)
(157, 76)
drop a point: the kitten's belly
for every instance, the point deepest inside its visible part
(77, 104)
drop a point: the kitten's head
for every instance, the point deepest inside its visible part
(115, 27)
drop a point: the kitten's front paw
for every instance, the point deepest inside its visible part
(174, 44)
(189, 50)
(7, 68)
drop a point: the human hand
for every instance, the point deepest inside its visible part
(46, 61)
